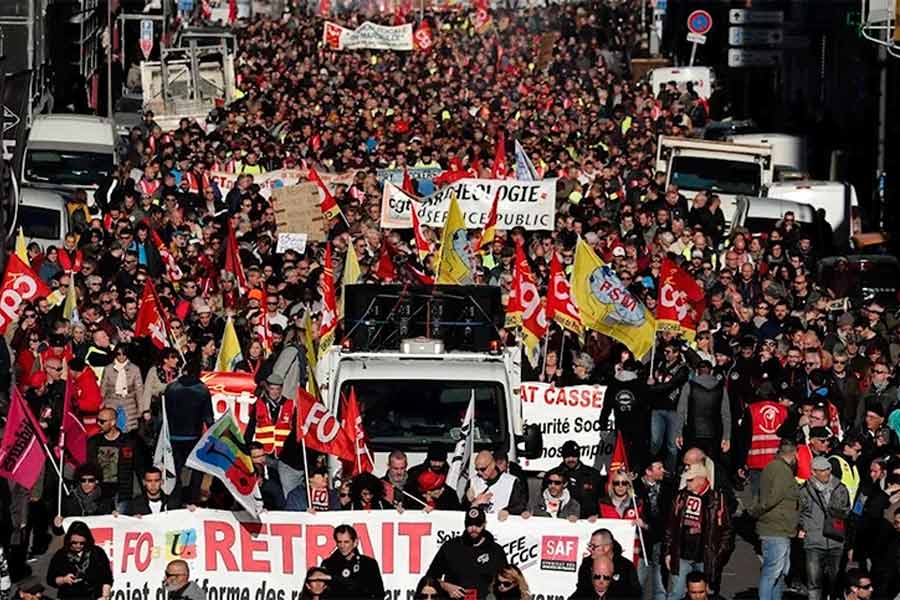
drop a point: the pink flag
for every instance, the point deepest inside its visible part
(21, 455)
(73, 437)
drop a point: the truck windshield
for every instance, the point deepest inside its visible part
(409, 414)
(38, 222)
(67, 168)
(717, 175)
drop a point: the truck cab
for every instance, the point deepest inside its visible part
(42, 216)
(727, 169)
(69, 153)
(415, 359)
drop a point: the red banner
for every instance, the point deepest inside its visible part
(20, 284)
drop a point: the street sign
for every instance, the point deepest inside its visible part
(696, 38)
(146, 38)
(745, 16)
(748, 36)
(699, 22)
(753, 58)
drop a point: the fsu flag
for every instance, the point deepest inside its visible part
(150, 320)
(21, 454)
(353, 428)
(681, 303)
(320, 430)
(560, 304)
(328, 204)
(20, 284)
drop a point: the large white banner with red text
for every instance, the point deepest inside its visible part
(566, 413)
(232, 556)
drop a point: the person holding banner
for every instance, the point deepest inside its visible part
(354, 576)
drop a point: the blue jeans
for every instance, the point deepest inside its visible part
(663, 426)
(650, 575)
(678, 583)
(776, 553)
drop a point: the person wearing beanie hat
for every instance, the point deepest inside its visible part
(824, 504)
(583, 482)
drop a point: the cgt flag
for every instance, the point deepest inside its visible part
(220, 453)
(607, 306)
(150, 320)
(21, 452)
(534, 317)
(560, 306)
(681, 302)
(20, 284)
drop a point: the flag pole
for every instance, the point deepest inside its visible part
(653, 354)
(640, 531)
(562, 346)
(546, 343)
(55, 466)
(306, 473)
(59, 488)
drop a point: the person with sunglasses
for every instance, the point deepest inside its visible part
(466, 565)
(80, 570)
(555, 501)
(603, 546)
(858, 585)
(316, 584)
(509, 584)
(86, 498)
(603, 575)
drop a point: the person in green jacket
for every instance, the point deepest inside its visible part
(778, 518)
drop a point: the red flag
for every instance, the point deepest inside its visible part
(328, 322)
(534, 317)
(233, 260)
(490, 227)
(619, 460)
(324, 8)
(385, 269)
(422, 39)
(423, 247)
(150, 319)
(353, 428)
(21, 454)
(408, 186)
(320, 429)
(20, 284)
(560, 304)
(328, 205)
(73, 437)
(232, 11)
(498, 169)
(681, 301)
(264, 330)
(173, 271)
(419, 275)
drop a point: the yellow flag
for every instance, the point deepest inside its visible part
(607, 306)
(349, 276)
(70, 308)
(230, 350)
(22, 248)
(455, 256)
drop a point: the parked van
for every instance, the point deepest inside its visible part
(701, 77)
(838, 200)
(760, 216)
(788, 151)
(69, 152)
(42, 216)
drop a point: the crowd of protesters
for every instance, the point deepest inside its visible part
(778, 392)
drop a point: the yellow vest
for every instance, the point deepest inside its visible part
(849, 477)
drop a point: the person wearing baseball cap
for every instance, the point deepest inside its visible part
(466, 565)
(583, 482)
(824, 502)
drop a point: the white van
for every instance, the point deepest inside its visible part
(788, 151)
(701, 77)
(42, 216)
(838, 200)
(762, 215)
(69, 152)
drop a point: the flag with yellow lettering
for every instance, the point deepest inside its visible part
(455, 267)
(607, 306)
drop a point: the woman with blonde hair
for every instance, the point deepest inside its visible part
(509, 584)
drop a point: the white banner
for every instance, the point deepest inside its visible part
(528, 204)
(266, 181)
(368, 36)
(566, 413)
(232, 556)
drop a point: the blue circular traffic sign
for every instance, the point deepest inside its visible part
(699, 22)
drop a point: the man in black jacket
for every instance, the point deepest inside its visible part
(586, 484)
(603, 546)
(626, 398)
(664, 388)
(470, 561)
(353, 575)
(188, 410)
(655, 491)
(153, 500)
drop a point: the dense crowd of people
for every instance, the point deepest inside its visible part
(778, 392)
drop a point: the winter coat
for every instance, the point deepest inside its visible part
(665, 392)
(698, 416)
(779, 503)
(459, 562)
(131, 401)
(625, 583)
(94, 577)
(188, 408)
(812, 517)
(538, 508)
(357, 577)
(140, 505)
(716, 539)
